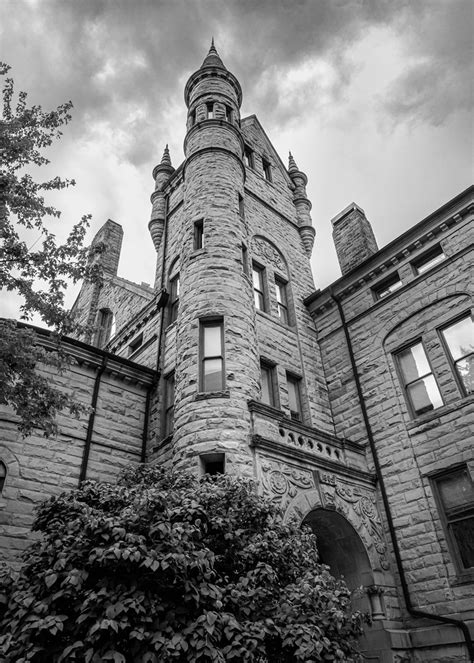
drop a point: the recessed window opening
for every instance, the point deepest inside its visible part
(428, 260)
(387, 286)
(248, 157)
(213, 464)
(198, 234)
(258, 287)
(192, 118)
(210, 110)
(241, 206)
(135, 344)
(267, 377)
(454, 493)
(105, 323)
(282, 303)
(418, 381)
(459, 340)
(228, 113)
(174, 298)
(294, 396)
(169, 387)
(3, 475)
(212, 355)
(267, 170)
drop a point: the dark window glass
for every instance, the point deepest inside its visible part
(213, 464)
(387, 286)
(210, 111)
(267, 170)
(174, 298)
(169, 404)
(248, 157)
(212, 356)
(282, 304)
(267, 373)
(428, 260)
(418, 380)
(241, 206)
(245, 260)
(3, 475)
(294, 396)
(456, 497)
(459, 338)
(258, 287)
(135, 344)
(198, 234)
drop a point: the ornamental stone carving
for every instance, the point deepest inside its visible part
(268, 254)
(283, 482)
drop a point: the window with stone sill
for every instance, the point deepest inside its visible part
(454, 494)
(211, 353)
(417, 379)
(268, 383)
(458, 338)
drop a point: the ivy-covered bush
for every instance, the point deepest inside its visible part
(164, 567)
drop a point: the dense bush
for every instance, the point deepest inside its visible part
(163, 567)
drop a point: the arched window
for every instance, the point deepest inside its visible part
(105, 322)
(3, 475)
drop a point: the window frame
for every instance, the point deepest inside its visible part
(249, 157)
(420, 264)
(448, 517)
(378, 289)
(198, 235)
(215, 459)
(135, 344)
(168, 411)
(269, 368)
(105, 322)
(267, 169)
(404, 385)
(296, 380)
(203, 324)
(245, 259)
(447, 350)
(210, 112)
(173, 304)
(262, 292)
(281, 286)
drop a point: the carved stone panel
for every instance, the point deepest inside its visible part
(268, 254)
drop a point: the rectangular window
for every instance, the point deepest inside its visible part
(198, 234)
(228, 113)
(387, 286)
(212, 464)
(210, 111)
(267, 170)
(248, 157)
(169, 404)
(174, 298)
(212, 355)
(135, 344)
(459, 340)
(258, 286)
(268, 380)
(245, 260)
(282, 304)
(294, 396)
(241, 206)
(455, 496)
(418, 381)
(428, 260)
(104, 327)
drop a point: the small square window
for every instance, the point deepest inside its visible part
(212, 464)
(454, 493)
(294, 396)
(198, 234)
(267, 170)
(428, 260)
(418, 381)
(135, 344)
(258, 274)
(459, 340)
(387, 286)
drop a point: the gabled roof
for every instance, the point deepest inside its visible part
(253, 120)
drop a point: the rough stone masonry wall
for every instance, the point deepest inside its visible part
(410, 448)
(38, 467)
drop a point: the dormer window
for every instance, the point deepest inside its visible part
(210, 111)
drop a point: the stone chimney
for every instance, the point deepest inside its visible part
(353, 237)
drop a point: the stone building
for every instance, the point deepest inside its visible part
(353, 406)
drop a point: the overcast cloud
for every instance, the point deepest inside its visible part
(355, 88)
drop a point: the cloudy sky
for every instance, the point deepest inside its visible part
(373, 98)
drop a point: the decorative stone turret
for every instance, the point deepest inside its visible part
(161, 174)
(353, 237)
(303, 205)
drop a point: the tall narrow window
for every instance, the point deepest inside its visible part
(105, 320)
(459, 339)
(212, 355)
(192, 118)
(228, 113)
(258, 286)
(198, 234)
(241, 206)
(282, 304)
(174, 298)
(294, 396)
(245, 260)
(3, 475)
(267, 376)
(210, 111)
(248, 157)
(455, 496)
(418, 381)
(169, 404)
(267, 170)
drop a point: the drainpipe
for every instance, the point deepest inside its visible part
(90, 426)
(378, 471)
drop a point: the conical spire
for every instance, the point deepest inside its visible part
(213, 59)
(292, 164)
(166, 159)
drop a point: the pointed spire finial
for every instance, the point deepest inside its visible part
(166, 159)
(213, 59)
(292, 164)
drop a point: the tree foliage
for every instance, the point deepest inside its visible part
(38, 273)
(165, 568)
